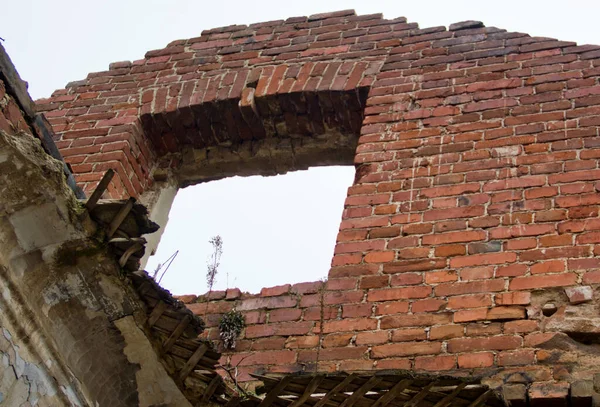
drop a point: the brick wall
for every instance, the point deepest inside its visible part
(469, 239)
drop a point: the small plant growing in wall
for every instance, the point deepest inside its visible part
(212, 266)
(231, 323)
(230, 327)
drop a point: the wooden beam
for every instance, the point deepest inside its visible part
(132, 249)
(390, 395)
(445, 402)
(210, 389)
(337, 389)
(310, 389)
(120, 217)
(117, 240)
(361, 391)
(233, 402)
(192, 362)
(157, 313)
(480, 401)
(176, 333)
(419, 396)
(272, 395)
(100, 188)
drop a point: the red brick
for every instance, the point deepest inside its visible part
(379, 257)
(299, 342)
(356, 365)
(315, 313)
(504, 313)
(424, 319)
(337, 340)
(477, 273)
(394, 363)
(285, 314)
(466, 212)
(450, 250)
(337, 354)
(446, 332)
(350, 325)
(399, 293)
(475, 360)
(524, 326)
(484, 286)
(549, 393)
(280, 329)
(428, 305)
(467, 315)
(406, 335)
(394, 307)
(514, 298)
(268, 302)
(342, 297)
(277, 343)
(406, 349)
(372, 338)
(341, 284)
(536, 282)
(504, 342)
(551, 266)
(454, 237)
(374, 282)
(359, 246)
(435, 363)
(404, 279)
(356, 310)
(592, 277)
(483, 259)
(512, 270)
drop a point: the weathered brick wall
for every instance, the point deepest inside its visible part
(474, 205)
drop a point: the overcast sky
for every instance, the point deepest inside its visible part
(276, 230)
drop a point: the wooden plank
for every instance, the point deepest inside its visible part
(233, 402)
(210, 389)
(176, 333)
(357, 394)
(445, 402)
(310, 389)
(192, 362)
(389, 396)
(117, 240)
(132, 249)
(102, 185)
(419, 396)
(340, 387)
(120, 217)
(480, 401)
(156, 313)
(272, 395)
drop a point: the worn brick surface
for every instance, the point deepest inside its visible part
(475, 199)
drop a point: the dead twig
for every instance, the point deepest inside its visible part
(233, 376)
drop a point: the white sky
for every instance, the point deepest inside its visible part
(276, 230)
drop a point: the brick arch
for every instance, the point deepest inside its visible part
(475, 201)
